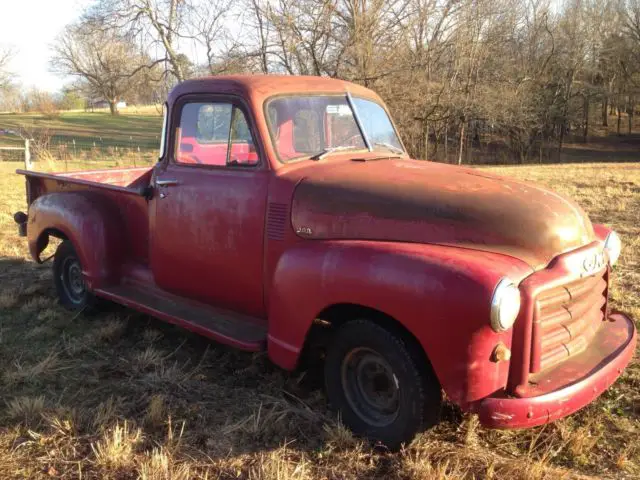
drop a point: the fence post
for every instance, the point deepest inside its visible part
(27, 155)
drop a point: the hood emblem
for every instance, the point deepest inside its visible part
(593, 262)
(304, 231)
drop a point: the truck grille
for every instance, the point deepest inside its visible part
(568, 317)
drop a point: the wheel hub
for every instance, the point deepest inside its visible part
(370, 386)
(72, 280)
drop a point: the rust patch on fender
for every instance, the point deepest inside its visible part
(425, 202)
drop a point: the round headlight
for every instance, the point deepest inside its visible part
(613, 246)
(505, 305)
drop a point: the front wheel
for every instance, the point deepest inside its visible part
(67, 274)
(379, 384)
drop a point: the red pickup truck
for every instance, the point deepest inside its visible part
(285, 215)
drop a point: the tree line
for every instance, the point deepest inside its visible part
(511, 76)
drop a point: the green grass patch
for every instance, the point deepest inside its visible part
(88, 129)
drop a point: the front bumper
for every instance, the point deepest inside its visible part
(566, 388)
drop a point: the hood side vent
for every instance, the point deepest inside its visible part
(276, 220)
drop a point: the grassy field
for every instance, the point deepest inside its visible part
(94, 133)
(121, 395)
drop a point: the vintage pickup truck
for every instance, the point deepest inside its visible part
(285, 215)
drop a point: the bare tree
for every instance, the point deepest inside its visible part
(5, 57)
(155, 24)
(110, 65)
(508, 79)
(206, 26)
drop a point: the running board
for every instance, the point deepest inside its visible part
(239, 331)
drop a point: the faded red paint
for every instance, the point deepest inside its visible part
(250, 256)
(442, 204)
(217, 218)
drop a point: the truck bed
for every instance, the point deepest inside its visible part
(126, 188)
(129, 180)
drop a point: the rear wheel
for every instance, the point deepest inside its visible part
(379, 384)
(67, 274)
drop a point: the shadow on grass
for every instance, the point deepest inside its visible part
(113, 365)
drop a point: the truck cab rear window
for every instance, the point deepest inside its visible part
(214, 134)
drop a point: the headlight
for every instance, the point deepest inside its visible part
(505, 305)
(613, 246)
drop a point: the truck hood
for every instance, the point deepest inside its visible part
(426, 202)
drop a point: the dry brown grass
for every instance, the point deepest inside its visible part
(160, 465)
(119, 395)
(117, 447)
(20, 371)
(26, 409)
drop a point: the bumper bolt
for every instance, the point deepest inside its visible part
(501, 353)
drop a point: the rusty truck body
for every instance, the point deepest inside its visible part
(284, 212)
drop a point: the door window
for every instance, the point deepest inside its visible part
(214, 134)
(243, 151)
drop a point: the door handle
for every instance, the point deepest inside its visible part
(166, 183)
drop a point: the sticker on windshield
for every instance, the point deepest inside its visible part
(339, 109)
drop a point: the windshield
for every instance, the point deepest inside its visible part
(314, 126)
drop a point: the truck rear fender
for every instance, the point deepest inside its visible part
(89, 221)
(438, 295)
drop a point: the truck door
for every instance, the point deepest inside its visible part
(208, 207)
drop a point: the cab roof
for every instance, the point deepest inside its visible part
(261, 87)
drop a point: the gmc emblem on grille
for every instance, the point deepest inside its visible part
(593, 262)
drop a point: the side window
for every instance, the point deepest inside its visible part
(243, 150)
(214, 134)
(213, 122)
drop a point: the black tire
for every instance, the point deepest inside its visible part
(67, 276)
(362, 361)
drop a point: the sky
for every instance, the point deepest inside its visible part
(28, 27)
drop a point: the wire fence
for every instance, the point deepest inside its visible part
(133, 151)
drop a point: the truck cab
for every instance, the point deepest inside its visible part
(284, 214)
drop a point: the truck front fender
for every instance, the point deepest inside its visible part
(440, 295)
(92, 224)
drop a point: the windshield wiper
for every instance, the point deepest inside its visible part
(393, 148)
(323, 153)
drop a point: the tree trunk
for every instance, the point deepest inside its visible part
(563, 127)
(462, 135)
(619, 119)
(113, 106)
(425, 129)
(434, 154)
(586, 119)
(630, 114)
(541, 151)
(446, 142)
(173, 56)
(468, 144)
(605, 112)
